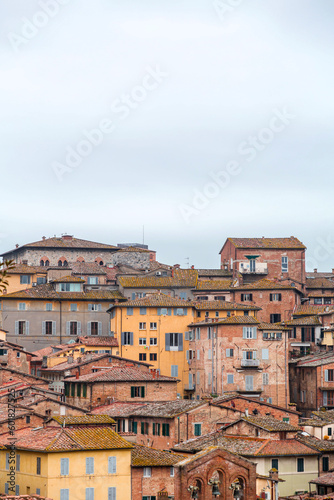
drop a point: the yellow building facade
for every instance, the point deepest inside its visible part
(97, 468)
(155, 329)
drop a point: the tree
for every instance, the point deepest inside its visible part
(5, 267)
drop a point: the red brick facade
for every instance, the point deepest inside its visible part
(215, 462)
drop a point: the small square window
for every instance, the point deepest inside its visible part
(147, 472)
(48, 307)
(74, 307)
(22, 306)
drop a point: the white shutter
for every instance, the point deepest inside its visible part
(99, 328)
(90, 307)
(112, 493)
(89, 328)
(326, 375)
(16, 330)
(112, 465)
(67, 328)
(54, 328)
(79, 327)
(244, 332)
(43, 327)
(27, 327)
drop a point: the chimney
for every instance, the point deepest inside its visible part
(315, 270)
(43, 238)
(273, 473)
(77, 375)
(67, 237)
(192, 267)
(17, 245)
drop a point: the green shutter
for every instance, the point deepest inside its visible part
(142, 392)
(84, 390)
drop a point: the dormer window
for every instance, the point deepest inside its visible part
(69, 287)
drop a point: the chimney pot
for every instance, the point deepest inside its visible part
(315, 270)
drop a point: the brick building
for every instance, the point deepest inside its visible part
(252, 406)
(239, 354)
(215, 464)
(56, 312)
(265, 257)
(296, 461)
(152, 472)
(125, 383)
(65, 250)
(263, 427)
(311, 381)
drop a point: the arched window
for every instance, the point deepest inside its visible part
(65, 263)
(60, 263)
(41, 263)
(101, 262)
(47, 263)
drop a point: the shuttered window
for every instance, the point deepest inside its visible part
(89, 465)
(111, 465)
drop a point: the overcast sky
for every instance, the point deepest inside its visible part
(197, 119)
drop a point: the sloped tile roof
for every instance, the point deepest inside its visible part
(313, 360)
(317, 444)
(118, 409)
(88, 268)
(266, 284)
(319, 283)
(232, 320)
(55, 439)
(285, 447)
(325, 479)
(47, 291)
(68, 365)
(98, 341)
(143, 456)
(311, 310)
(69, 420)
(306, 320)
(69, 279)
(272, 326)
(25, 269)
(68, 243)
(326, 415)
(121, 374)
(186, 278)
(270, 424)
(214, 272)
(157, 300)
(235, 444)
(223, 305)
(214, 284)
(285, 243)
(168, 409)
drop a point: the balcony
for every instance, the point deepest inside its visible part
(252, 267)
(189, 387)
(250, 363)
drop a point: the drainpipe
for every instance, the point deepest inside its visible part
(60, 323)
(121, 308)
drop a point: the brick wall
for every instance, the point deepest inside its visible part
(262, 409)
(100, 393)
(150, 486)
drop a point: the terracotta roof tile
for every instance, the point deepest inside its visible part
(285, 243)
(156, 300)
(55, 439)
(167, 409)
(182, 278)
(232, 320)
(68, 243)
(121, 374)
(319, 283)
(216, 284)
(98, 341)
(88, 268)
(118, 409)
(143, 456)
(311, 310)
(240, 445)
(223, 305)
(47, 291)
(69, 279)
(70, 420)
(270, 424)
(307, 320)
(285, 447)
